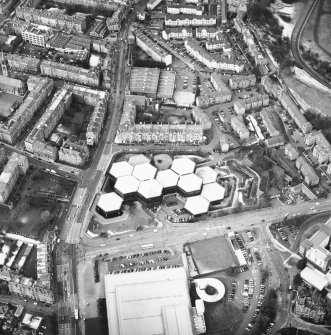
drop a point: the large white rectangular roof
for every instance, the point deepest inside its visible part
(314, 278)
(148, 303)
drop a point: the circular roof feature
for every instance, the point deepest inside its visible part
(127, 184)
(162, 161)
(138, 159)
(150, 189)
(213, 192)
(120, 169)
(167, 178)
(144, 171)
(183, 166)
(207, 174)
(110, 202)
(190, 183)
(209, 289)
(197, 205)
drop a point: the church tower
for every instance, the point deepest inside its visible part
(4, 65)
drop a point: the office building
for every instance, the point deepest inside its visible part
(144, 171)
(150, 192)
(109, 205)
(168, 179)
(99, 29)
(127, 187)
(213, 192)
(197, 205)
(183, 166)
(207, 174)
(189, 184)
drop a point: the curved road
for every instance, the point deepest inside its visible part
(295, 42)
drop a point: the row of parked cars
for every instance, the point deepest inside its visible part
(233, 290)
(145, 254)
(145, 269)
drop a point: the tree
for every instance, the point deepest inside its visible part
(297, 280)
(302, 263)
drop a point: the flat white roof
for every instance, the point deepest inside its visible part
(148, 303)
(314, 278)
(110, 202)
(183, 166)
(197, 205)
(150, 189)
(138, 159)
(207, 174)
(167, 178)
(213, 192)
(127, 184)
(120, 169)
(190, 183)
(144, 171)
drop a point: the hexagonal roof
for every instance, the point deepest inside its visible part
(150, 189)
(109, 202)
(197, 205)
(167, 178)
(207, 174)
(190, 183)
(127, 184)
(183, 166)
(120, 169)
(138, 159)
(144, 171)
(213, 192)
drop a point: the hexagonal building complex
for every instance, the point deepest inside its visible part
(138, 159)
(144, 171)
(120, 169)
(197, 205)
(127, 187)
(150, 191)
(109, 205)
(168, 179)
(207, 174)
(190, 184)
(183, 166)
(213, 192)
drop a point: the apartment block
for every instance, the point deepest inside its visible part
(241, 82)
(103, 4)
(189, 20)
(52, 19)
(36, 35)
(74, 153)
(15, 125)
(16, 165)
(23, 63)
(99, 30)
(291, 152)
(177, 33)
(115, 21)
(212, 61)
(151, 4)
(89, 77)
(152, 48)
(269, 120)
(238, 125)
(310, 176)
(321, 146)
(183, 8)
